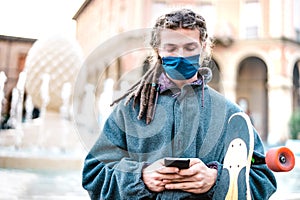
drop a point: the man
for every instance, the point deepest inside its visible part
(170, 112)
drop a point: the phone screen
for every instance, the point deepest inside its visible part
(181, 163)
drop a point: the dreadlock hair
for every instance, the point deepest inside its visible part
(145, 91)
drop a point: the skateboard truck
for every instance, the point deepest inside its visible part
(278, 159)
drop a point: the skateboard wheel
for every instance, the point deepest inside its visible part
(280, 159)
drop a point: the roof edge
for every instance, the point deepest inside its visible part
(82, 7)
(16, 38)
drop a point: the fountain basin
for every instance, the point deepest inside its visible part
(48, 144)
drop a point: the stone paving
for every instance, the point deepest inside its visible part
(288, 184)
(45, 185)
(64, 185)
(42, 161)
(60, 179)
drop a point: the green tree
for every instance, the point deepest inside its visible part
(294, 124)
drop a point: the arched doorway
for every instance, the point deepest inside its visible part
(252, 89)
(296, 86)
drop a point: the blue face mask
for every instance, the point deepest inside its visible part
(181, 68)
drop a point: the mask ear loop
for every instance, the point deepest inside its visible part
(201, 76)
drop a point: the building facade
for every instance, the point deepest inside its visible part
(256, 57)
(13, 53)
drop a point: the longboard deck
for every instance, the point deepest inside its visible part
(239, 145)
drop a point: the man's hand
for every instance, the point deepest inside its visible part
(196, 179)
(155, 174)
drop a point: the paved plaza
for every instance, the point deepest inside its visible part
(41, 185)
(47, 173)
(58, 185)
(41, 175)
(288, 184)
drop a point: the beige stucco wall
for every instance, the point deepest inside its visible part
(11, 49)
(96, 24)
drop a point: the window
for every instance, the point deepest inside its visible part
(251, 19)
(21, 62)
(252, 32)
(208, 11)
(158, 9)
(296, 16)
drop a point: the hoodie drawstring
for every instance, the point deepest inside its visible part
(202, 98)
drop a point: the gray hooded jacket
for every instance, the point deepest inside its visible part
(188, 122)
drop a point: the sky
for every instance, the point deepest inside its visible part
(38, 18)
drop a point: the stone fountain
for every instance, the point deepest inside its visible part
(49, 141)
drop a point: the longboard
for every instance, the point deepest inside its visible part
(278, 159)
(239, 146)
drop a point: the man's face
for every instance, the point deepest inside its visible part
(179, 43)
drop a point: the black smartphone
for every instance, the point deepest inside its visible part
(181, 163)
